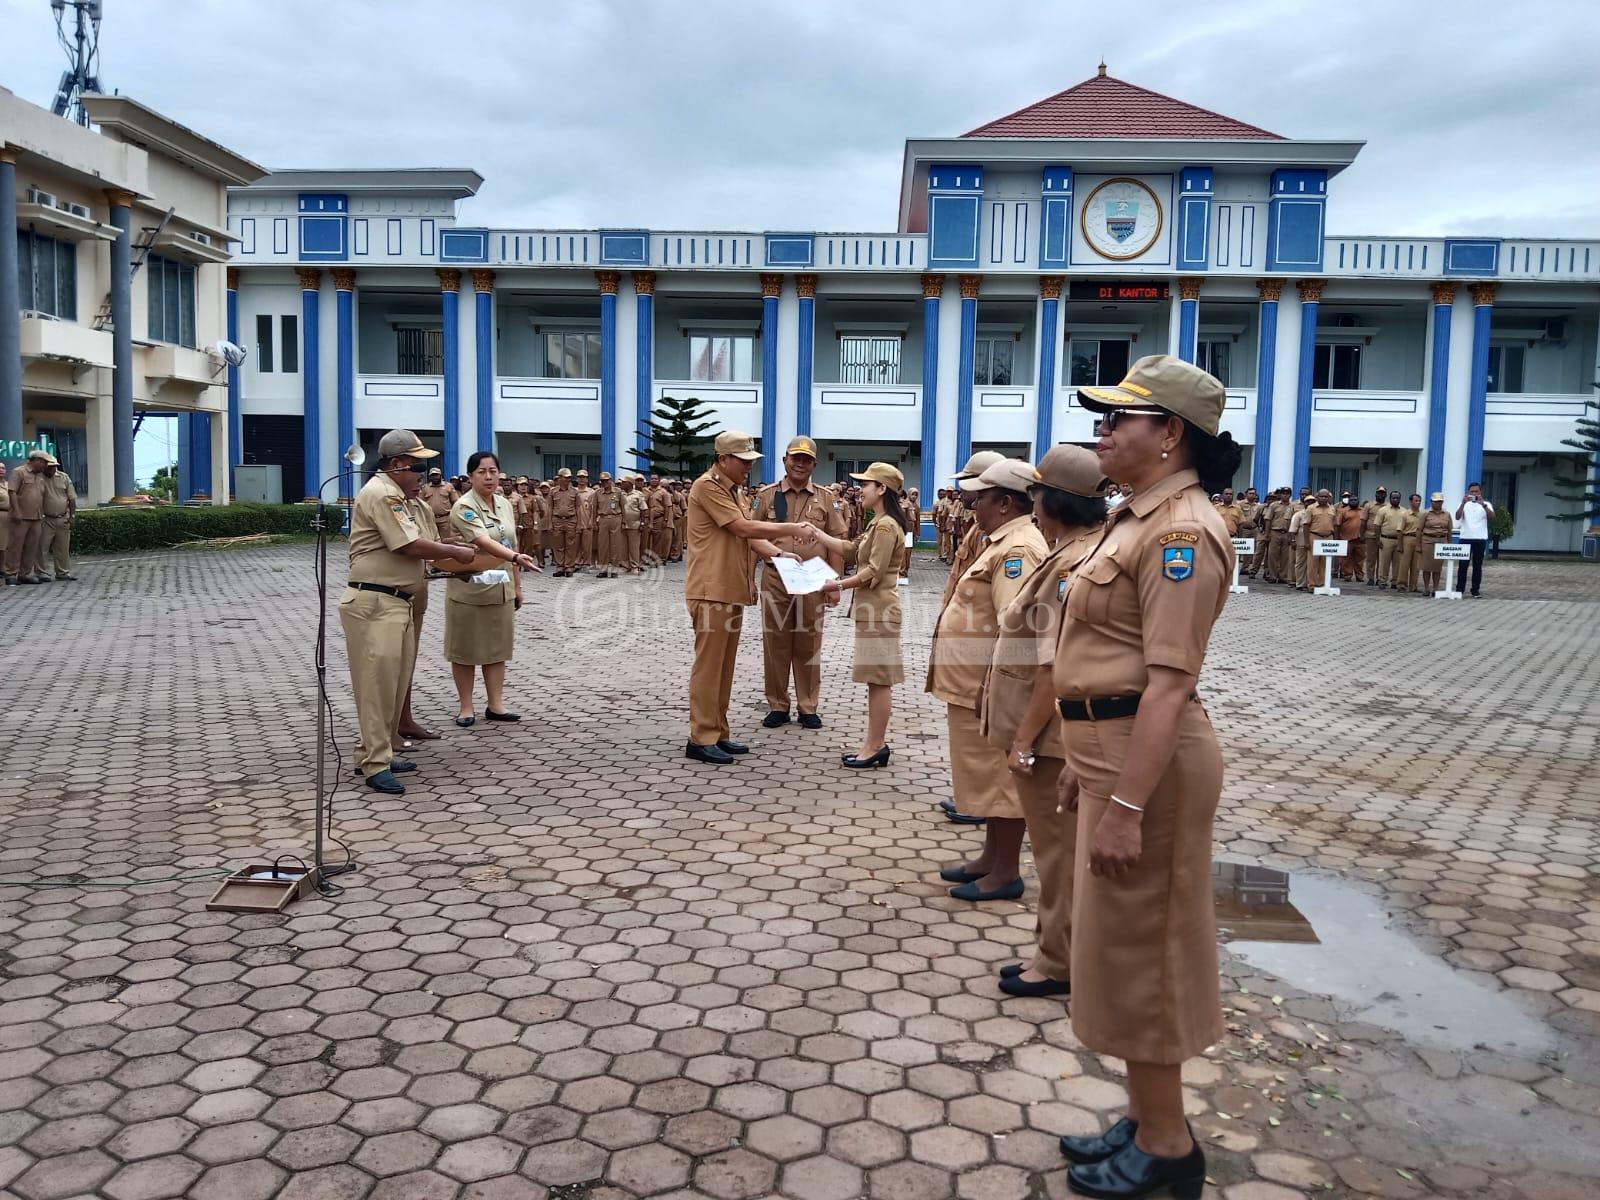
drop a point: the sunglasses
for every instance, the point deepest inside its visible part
(1108, 420)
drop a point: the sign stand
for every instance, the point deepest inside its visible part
(1242, 548)
(1328, 550)
(1449, 553)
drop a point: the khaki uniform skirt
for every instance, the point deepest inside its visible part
(476, 634)
(877, 649)
(983, 785)
(1144, 947)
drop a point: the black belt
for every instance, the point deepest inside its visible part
(1104, 708)
(1388, 537)
(381, 587)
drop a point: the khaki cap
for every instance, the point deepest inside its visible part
(738, 444)
(880, 472)
(402, 441)
(582, 473)
(978, 464)
(802, 445)
(604, 476)
(1072, 469)
(1164, 382)
(1009, 474)
(43, 454)
(564, 473)
(1439, 496)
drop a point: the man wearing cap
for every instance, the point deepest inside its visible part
(1406, 558)
(635, 512)
(586, 520)
(941, 522)
(1371, 534)
(609, 548)
(791, 626)
(386, 569)
(60, 507)
(5, 524)
(439, 495)
(1389, 519)
(1279, 515)
(970, 541)
(1228, 509)
(718, 583)
(1250, 514)
(564, 522)
(679, 494)
(1434, 530)
(27, 519)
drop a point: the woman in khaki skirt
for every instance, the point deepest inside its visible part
(1143, 768)
(1019, 704)
(478, 629)
(878, 554)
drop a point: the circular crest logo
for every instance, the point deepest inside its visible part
(1121, 218)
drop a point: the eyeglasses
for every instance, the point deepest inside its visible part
(1108, 420)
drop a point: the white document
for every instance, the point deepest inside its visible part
(803, 578)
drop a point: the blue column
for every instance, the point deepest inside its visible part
(10, 305)
(969, 337)
(1266, 369)
(771, 289)
(1444, 299)
(483, 349)
(180, 422)
(805, 287)
(199, 431)
(235, 411)
(1049, 338)
(450, 307)
(1188, 319)
(344, 300)
(932, 289)
(121, 348)
(609, 281)
(310, 371)
(644, 371)
(1310, 297)
(1477, 396)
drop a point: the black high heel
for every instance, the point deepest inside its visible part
(855, 763)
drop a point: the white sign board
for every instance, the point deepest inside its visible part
(1241, 548)
(1244, 545)
(1448, 552)
(1454, 552)
(1329, 548)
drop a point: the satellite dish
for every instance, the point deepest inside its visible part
(355, 455)
(230, 352)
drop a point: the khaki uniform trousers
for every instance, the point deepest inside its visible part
(1353, 566)
(791, 641)
(1054, 838)
(676, 535)
(25, 535)
(55, 545)
(716, 650)
(631, 541)
(528, 542)
(1373, 553)
(1388, 551)
(5, 536)
(1302, 563)
(611, 548)
(661, 544)
(1278, 557)
(565, 544)
(382, 649)
(1405, 565)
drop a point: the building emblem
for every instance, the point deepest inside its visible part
(1121, 219)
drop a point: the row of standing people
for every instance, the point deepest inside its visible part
(38, 505)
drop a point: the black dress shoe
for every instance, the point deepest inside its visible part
(401, 765)
(775, 718)
(962, 875)
(1015, 985)
(810, 721)
(384, 781)
(466, 722)
(494, 716)
(1101, 1145)
(713, 754)
(880, 759)
(729, 746)
(1130, 1174)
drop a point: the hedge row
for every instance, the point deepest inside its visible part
(113, 530)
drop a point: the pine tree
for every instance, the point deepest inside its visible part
(1580, 490)
(677, 443)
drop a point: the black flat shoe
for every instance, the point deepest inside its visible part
(713, 754)
(962, 875)
(1015, 985)
(810, 721)
(728, 746)
(956, 817)
(494, 716)
(880, 759)
(1130, 1174)
(775, 718)
(1011, 970)
(971, 891)
(466, 722)
(1101, 1145)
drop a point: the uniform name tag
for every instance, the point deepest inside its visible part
(1179, 535)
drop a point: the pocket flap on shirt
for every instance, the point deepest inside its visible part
(1103, 570)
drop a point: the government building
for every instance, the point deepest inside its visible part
(1041, 251)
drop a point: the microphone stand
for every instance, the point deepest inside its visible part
(324, 801)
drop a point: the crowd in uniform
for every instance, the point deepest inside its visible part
(37, 507)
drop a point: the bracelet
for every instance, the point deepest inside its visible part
(1130, 807)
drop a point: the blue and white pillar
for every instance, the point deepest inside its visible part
(609, 282)
(969, 340)
(1049, 348)
(124, 483)
(1189, 318)
(1266, 370)
(344, 309)
(483, 354)
(932, 290)
(310, 376)
(1477, 397)
(235, 412)
(1310, 298)
(644, 372)
(771, 290)
(805, 287)
(1444, 300)
(197, 428)
(10, 304)
(450, 307)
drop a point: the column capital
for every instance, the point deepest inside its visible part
(1050, 286)
(310, 278)
(771, 285)
(344, 279)
(1483, 294)
(644, 283)
(805, 286)
(449, 279)
(8, 153)
(233, 279)
(482, 279)
(1189, 287)
(116, 196)
(1310, 290)
(932, 286)
(1270, 289)
(609, 282)
(970, 285)
(1443, 293)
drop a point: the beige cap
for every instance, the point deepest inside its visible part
(582, 473)
(1072, 469)
(737, 443)
(402, 441)
(1009, 474)
(564, 473)
(880, 472)
(1439, 496)
(1164, 382)
(978, 464)
(605, 476)
(802, 445)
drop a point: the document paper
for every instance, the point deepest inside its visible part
(803, 578)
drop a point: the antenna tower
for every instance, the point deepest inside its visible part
(80, 38)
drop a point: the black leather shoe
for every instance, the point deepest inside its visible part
(810, 721)
(713, 754)
(466, 722)
(1015, 985)
(775, 718)
(729, 746)
(1011, 970)
(401, 765)
(962, 875)
(1130, 1174)
(880, 759)
(1101, 1145)
(384, 781)
(956, 817)
(494, 716)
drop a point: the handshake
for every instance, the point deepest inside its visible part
(801, 532)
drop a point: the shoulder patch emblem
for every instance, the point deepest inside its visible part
(1179, 536)
(1177, 563)
(469, 514)
(1013, 567)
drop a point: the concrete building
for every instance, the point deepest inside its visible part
(1040, 251)
(113, 288)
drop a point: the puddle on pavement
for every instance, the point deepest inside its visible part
(1332, 938)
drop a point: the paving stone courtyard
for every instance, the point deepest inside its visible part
(573, 964)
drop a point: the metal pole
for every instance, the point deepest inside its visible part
(322, 687)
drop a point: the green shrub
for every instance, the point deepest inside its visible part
(114, 530)
(1501, 526)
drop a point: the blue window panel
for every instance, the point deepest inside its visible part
(953, 231)
(1055, 233)
(324, 202)
(790, 249)
(1294, 235)
(1194, 217)
(624, 248)
(323, 239)
(1472, 256)
(464, 245)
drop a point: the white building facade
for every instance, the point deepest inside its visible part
(1040, 252)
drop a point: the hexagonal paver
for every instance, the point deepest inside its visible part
(648, 1169)
(783, 1138)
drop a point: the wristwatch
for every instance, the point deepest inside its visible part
(1026, 757)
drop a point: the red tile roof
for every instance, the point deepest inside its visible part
(1105, 107)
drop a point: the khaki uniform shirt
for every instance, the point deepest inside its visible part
(5, 493)
(27, 494)
(1350, 524)
(1369, 510)
(541, 513)
(876, 553)
(660, 501)
(1278, 514)
(1148, 595)
(472, 518)
(1388, 520)
(586, 509)
(1410, 523)
(564, 506)
(813, 505)
(635, 510)
(1249, 518)
(1435, 527)
(1231, 517)
(963, 639)
(438, 498)
(1321, 520)
(380, 524)
(719, 563)
(607, 504)
(59, 494)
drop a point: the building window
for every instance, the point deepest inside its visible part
(1505, 367)
(290, 361)
(572, 354)
(47, 275)
(1337, 367)
(1098, 363)
(264, 344)
(991, 361)
(1213, 358)
(721, 357)
(869, 358)
(574, 463)
(1500, 490)
(420, 351)
(171, 300)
